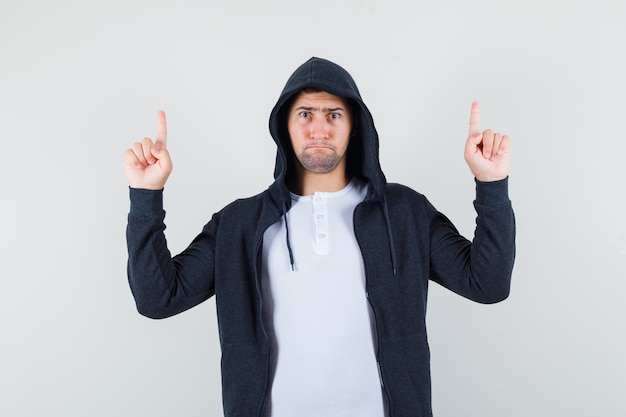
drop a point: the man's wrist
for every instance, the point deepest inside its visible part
(146, 201)
(492, 192)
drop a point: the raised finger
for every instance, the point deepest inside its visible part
(474, 123)
(161, 136)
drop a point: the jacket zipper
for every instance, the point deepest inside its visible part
(378, 365)
(257, 281)
(369, 302)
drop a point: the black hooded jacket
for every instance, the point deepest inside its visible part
(404, 241)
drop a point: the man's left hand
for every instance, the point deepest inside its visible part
(487, 153)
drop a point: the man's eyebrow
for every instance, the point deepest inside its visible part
(324, 109)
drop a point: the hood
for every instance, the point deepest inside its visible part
(362, 156)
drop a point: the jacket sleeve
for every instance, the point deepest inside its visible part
(479, 270)
(161, 285)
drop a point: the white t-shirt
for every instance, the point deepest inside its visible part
(319, 319)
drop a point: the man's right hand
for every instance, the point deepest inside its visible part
(147, 163)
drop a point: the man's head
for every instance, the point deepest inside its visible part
(354, 152)
(320, 126)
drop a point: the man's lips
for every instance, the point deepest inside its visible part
(320, 147)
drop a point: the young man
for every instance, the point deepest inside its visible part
(321, 280)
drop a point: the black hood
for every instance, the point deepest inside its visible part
(362, 157)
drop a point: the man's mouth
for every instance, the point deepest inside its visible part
(319, 147)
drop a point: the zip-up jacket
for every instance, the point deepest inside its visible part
(405, 243)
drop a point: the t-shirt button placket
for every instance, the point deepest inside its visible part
(321, 225)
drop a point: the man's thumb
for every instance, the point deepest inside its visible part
(163, 157)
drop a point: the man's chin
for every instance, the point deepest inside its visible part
(319, 165)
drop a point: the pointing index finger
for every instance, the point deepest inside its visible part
(474, 123)
(161, 136)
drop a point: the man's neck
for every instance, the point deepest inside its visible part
(308, 183)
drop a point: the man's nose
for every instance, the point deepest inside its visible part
(319, 129)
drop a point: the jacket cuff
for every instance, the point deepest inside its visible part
(146, 202)
(492, 193)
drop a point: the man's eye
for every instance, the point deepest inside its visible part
(305, 114)
(334, 116)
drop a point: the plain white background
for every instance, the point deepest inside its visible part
(80, 81)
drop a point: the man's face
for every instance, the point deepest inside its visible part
(319, 126)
